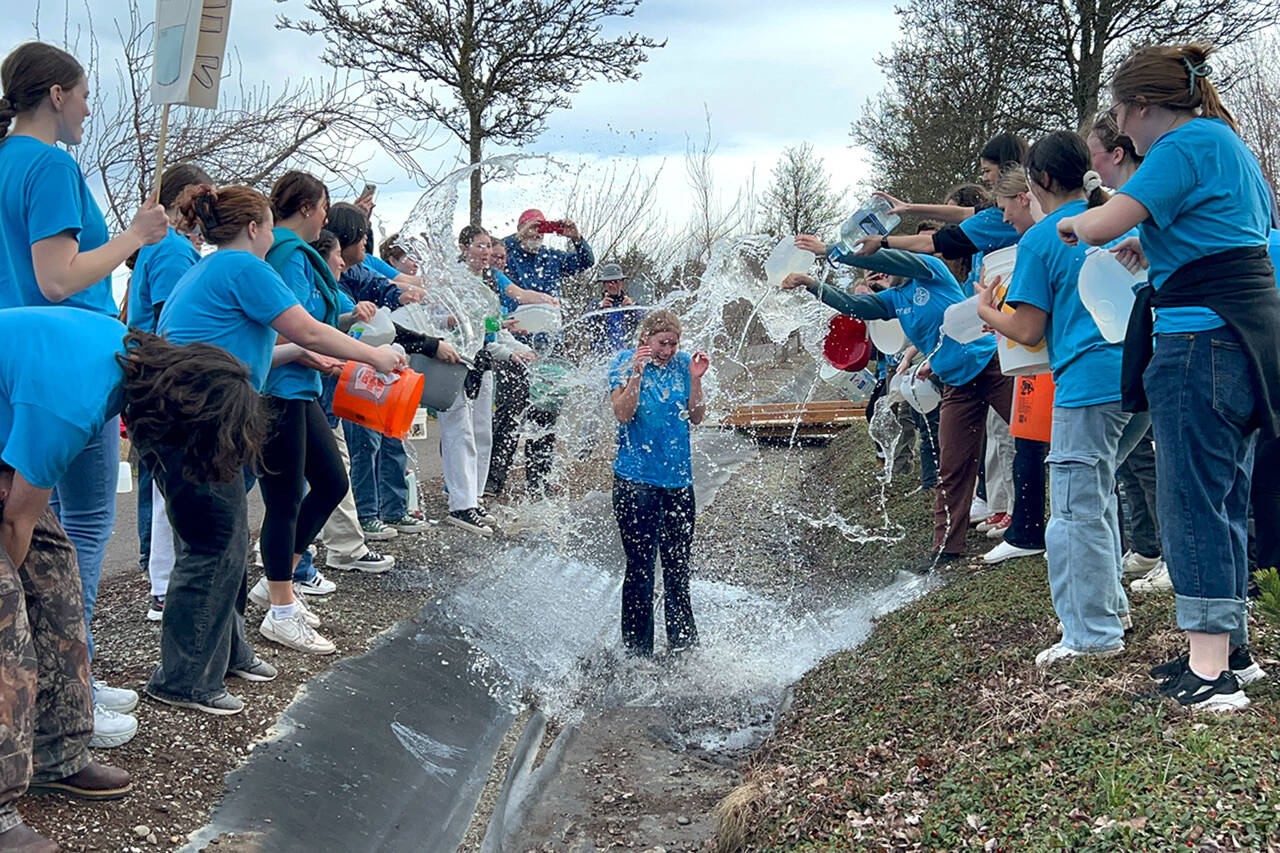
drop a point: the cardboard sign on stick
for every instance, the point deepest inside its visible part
(191, 41)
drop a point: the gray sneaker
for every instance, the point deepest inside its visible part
(222, 705)
(374, 530)
(257, 670)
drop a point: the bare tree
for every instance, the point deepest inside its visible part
(505, 63)
(1254, 99)
(712, 219)
(799, 199)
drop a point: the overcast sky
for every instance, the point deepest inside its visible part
(769, 74)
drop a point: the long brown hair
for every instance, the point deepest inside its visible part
(223, 213)
(1109, 136)
(1175, 77)
(28, 73)
(197, 397)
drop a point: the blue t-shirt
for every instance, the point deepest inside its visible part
(381, 267)
(1205, 194)
(157, 270)
(1086, 367)
(229, 300)
(292, 380)
(58, 386)
(653, 447)
(919, 304)
(43, 194)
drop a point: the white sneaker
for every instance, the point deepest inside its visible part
(1005, 551)
(1058, 653)
(294, 632)
(318, 585)
(111, 729)
(1134, 563)
(979, 511)
(261, 596)
(1156, 580)
(118, 699)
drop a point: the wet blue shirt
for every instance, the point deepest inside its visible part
(229, 300)
(1205, 194)
(292, 380)
(157, 270)
(43, 194)
(653, 447)
(1086, 367)
(57, 388)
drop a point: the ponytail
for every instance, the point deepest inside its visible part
(1175, 77)
(1060, 163)
(221, 214)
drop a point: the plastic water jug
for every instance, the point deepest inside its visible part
(961, 322)
(377, 330)
(887, 335)
(786, 259)
(872, 218)
(1106, 289)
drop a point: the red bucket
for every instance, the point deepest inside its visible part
(1032, 407)
(846, 346)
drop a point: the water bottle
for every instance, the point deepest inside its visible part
(492, 325)
(872, 218)
(376, 331)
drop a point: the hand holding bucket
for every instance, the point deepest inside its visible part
(846, 346)
(364, 396)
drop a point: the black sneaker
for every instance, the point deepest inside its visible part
(933, 561)
(156, 611)
(1196, 694)
(469, 520)
(1241, 663)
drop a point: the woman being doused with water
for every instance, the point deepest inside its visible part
(656, 392)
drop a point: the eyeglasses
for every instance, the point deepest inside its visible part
(1114, 112)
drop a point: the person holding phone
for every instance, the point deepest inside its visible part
(611, 331)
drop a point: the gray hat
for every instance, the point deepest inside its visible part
(610, 272)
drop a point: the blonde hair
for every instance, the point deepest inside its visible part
(1175, 77)
(661, 320)
(1013, 181)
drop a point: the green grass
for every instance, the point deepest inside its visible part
(940, 734)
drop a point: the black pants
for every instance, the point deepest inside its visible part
(510, 399)
(1029, 481)
(300, 456)
(1265, 497)
(539, 450)
(1137, 479)
(653, 520)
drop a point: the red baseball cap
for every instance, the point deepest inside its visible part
(530, 215)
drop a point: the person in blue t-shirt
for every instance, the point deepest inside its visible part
(1203, 213)
(195, 396)
(1091, 432)
(923, 288)
(656, 392)
(235, 300)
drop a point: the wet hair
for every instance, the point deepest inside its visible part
(1012, 181)
(294, 191)
(197, 397)
(389, 250)
(1109, 136)
(969, 195)
(1004, 149)
(325, 243)
(221, 214)
(28, 73)
(348, 223)
(1175, 77)
(662, 320)
(177, 178)
(468, 234)
(1058, 163)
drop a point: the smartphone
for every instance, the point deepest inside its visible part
(555, 227)
(368, 191)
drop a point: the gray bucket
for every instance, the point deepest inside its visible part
(441, 383)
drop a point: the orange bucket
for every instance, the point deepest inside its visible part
(1032, 414)
(362, 398)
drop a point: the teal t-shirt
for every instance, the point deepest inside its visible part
(294, 381)
(1086, 367)
(157, 270)
(43, 194)
(1205, 194)
(59, 383)
(229, 300)
(653, 447)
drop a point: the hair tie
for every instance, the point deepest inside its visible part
(1092, 181)
(1204, 69)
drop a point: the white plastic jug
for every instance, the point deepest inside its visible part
(961, 322)
(1106, 289)
(920, 394)
(853, 385)
(872, 218)
(887, 335)
(377, 330)
(786, 259)
(534, 318)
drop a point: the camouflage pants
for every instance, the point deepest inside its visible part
(46, 702)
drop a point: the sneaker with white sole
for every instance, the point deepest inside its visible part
(223, 705)
(1005, 551)
(261, 596)
(1058, 653)
(110, 728)
(487, 517)
(1240, 662)
(293, 632)
(1223, 694)
(1156, 580)
(318, 584)
(407, 524)
(371, 562)
(155, 610)
(255, 670)
(1134, 563)
(122, 700)
(979, 511)
(469, 520)
(375, 531)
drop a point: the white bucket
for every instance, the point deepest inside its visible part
(786, 259)
(535, 318)
(920, 394)
(854, 385)
(999, 263)
(887, 335)
(1018, 360)
(1106, 289)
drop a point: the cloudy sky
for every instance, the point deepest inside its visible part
(770, 75)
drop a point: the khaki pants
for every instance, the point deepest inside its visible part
(341, 536)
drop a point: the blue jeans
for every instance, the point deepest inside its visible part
(144, 515)
(378, 463)
(1082, 539)
(1203, 395)
(85, 503)
(927, 426)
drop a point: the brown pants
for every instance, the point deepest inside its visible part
(961, 425)
(46, 701)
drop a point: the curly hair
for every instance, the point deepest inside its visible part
(197, 397)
